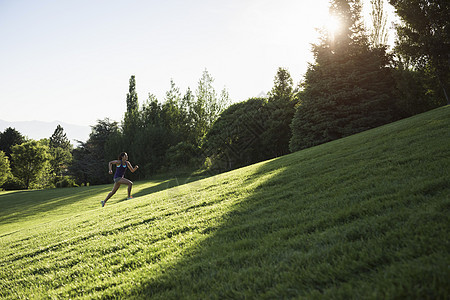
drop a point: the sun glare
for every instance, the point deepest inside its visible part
(333, 24)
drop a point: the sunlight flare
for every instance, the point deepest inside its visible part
(333, 24)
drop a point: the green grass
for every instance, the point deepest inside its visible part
(365, 217)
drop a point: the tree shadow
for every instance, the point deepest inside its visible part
(309, 224)
(241, 240)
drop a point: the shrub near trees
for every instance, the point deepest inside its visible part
(235, 139)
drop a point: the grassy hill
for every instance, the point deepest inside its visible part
(365, 217)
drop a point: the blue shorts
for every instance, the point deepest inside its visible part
(116, 180)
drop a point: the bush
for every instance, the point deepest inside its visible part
(238, 137)
(182, 155)
(66, 181)
(13, 183)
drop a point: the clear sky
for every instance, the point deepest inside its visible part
(71, 61)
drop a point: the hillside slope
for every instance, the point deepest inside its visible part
(365, 217)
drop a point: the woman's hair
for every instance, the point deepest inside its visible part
(122, 155)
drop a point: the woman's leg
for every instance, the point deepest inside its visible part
(114, 190)
(127, 182)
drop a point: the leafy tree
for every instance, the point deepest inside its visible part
(348, 89)
(9, 138)
(235, 139)
(182, 155)
(156, 135)
(81, 165)
(173, 95)
(379, 35)
(412, 92)
(172, 114)
(281, 107)
(208, 106)
(99, 153)
(30, 162)
(187, 108)
(4, 168)
(90, 159)
(424, 37)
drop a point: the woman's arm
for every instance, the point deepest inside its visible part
(111, 163)
(131, 167)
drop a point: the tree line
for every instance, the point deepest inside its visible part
(354, 84)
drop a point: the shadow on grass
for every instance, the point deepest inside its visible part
(243, 257)
(329, 223)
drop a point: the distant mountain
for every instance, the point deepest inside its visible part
(38, 130)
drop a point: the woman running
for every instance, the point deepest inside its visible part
(121, 166)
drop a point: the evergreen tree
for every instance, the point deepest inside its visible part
(281, 107)
(59, 139)
(9, 138)
(348, 89)
(60, 150)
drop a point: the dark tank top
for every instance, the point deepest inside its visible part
(120, 170)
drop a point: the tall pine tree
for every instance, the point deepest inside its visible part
(60, 150)
(349, 87)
